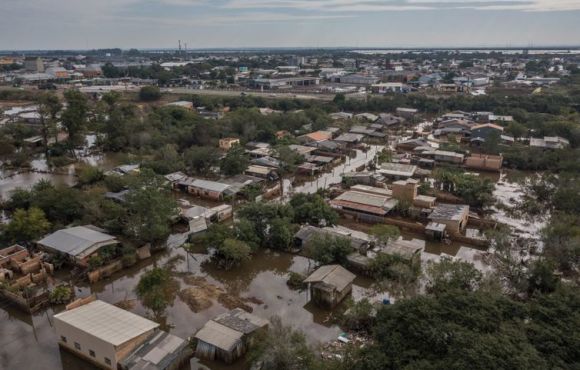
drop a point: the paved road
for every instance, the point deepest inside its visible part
(268, 95)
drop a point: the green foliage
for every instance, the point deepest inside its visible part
(394, 267)
(359, 316)
(231, 253)
(262, 216)
(149, 93)
(282, 348)
(312, 209)
(383, 234)
(150, 209)
(449, 276)
(200, 159)
(61, 294)
(475, 191)
(27, 225)
(156, 289)
(74, 117)
(296, 281)
(326, 249)
(90, 175)
(235, 162)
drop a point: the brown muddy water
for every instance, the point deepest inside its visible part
(29, 341)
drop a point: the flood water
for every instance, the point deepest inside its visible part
(11, 180)
(29, 341)
(263, 279)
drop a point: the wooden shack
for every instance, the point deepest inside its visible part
(329, 285)
(228, 336)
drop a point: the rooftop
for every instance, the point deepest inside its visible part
(76, 240)
(106, 322)
(452, 212)
(333, 275)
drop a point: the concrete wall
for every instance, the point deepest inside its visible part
(87, 342)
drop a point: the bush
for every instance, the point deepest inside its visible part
(296, 281)
(149, 93)
(60, 295)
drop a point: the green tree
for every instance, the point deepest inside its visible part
(312, 209)
(448, 276)
(200, 159)
(48, 107)
(384, 234)
(27, 225)
(150, 210)
(231, 253)
(235, 162)
(326, 249)
(74, 117)
(149, 93)
(282, 348)
(156, 289)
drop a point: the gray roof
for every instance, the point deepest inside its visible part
(106, 322)
(219, 335)
(332, 275)
(349, 138)
(452, 212)
(210, 185)
(397, 169)
(242, 321)
(76, 241)
(161, 351)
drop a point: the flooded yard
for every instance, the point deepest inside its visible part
(260, 284)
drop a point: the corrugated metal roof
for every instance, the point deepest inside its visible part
(107, 322)
(333, 275)
(210, 185)
(75, 240)
(219, 335)
(363, 198)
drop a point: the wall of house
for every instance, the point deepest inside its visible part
(87, 342)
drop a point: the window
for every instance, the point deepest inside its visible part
(107, 361)
(63, 338)
(77, 346)
(92, 353)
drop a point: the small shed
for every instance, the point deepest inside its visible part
(435, 230)
(329, 285)
(228, 336)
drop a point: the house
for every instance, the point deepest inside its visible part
(363, 178)
(350, 138)
(227, 142)
(112, 338)
(78, 243)
(364, 206)
(408, 250)
(485, 130)
(389, 120)
(484, 162)
(340, 116)
(549, 142)
(207, 189)
(329, 285)
(368, 117)
(301, 149)
(182, 104)
(397, 170)
(228, 336)
(435, 231)
(406, 190)
(315, 137)
(358, 240)
(389, 87)
(411, 144)
(445, 156)
(454, 216)
(262, 172)
(407, 112)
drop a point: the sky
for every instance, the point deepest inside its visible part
(88, 24)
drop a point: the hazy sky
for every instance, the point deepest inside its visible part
(79, 24)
